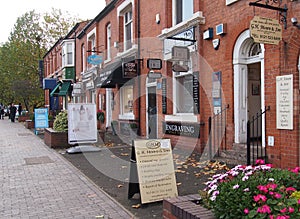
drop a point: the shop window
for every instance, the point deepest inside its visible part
(182, 10)
(184, 93)
(126, 94)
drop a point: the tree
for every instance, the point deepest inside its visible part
(29, 40)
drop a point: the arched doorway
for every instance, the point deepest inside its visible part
(248, 63)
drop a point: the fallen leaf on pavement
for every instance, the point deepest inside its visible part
(120, 186)
(136, 206)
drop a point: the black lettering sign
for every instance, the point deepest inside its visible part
(182, 129)
(196, 92)
(164, 95)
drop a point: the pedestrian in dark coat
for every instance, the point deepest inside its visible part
(13, 111)
(20, 109)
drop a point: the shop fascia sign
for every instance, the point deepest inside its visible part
(265, 30)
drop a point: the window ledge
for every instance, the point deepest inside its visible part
(181, 118)
(228, 2)
(128, 116)
(196, 19)
(131, 51)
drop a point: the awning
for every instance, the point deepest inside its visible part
(55, 91)
(111, 75)
(61, 89)
(64, 88)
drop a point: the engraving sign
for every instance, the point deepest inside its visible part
(155, 169)
(265, 30)
(284, 102)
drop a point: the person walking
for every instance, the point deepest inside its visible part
(1, 111)
(20, 109)
(13, 111)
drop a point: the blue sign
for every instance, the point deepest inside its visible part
(94, 59)
(41, 118)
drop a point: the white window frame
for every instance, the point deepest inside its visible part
(128, 23)
(91, 37)
(83, 57)
(68, 51)
(108, 42)
(174, 11)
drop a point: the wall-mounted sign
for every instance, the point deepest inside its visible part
(196, 92)
(164, 95)
(154, 64)
(184, 129)
(155, 167)
(94, 59)
(284, 102)
(129, 69)
(265, 30)
(154, 75)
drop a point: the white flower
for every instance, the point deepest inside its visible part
(245, 178)
(271, 179)
(246, 190)
(236, 186)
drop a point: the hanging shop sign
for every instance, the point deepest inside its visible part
(129, 69)
(155, 64)
(265, 30)
(154, 75)
(94, 59)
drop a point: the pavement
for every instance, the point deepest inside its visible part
(37, 182)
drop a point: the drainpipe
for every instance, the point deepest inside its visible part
(139, 62)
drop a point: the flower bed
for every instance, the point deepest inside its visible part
(254, 192)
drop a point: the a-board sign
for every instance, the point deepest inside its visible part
(82, 123)
(155, 169)
(40, 119)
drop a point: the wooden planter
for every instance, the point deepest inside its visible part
(29, 124)
(23, 118)
(55, 139)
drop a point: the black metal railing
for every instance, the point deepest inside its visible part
(256, 148)
(217, 132)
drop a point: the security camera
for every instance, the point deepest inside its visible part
(294, 20)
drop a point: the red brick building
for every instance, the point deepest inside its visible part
(174, 66)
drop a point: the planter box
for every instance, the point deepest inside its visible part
(23, 118)
(29, 124)
(185, 207)
(56, 139)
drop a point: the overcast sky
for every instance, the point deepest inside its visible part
(12, 9)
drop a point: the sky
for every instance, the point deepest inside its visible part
(12, 9)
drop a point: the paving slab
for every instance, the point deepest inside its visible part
(39, 183)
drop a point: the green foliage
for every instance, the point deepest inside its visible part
(60, 123)
(32, 35)
(254, 192)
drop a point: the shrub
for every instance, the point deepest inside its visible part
(61, 122)
(254, 192)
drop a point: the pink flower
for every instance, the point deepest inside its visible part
(283, 210)
(246, 211)
(290, 189)
(260, 197)
(291, 210)
(262, 188)
(264, 209)
(259, 162)
(277, 195)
